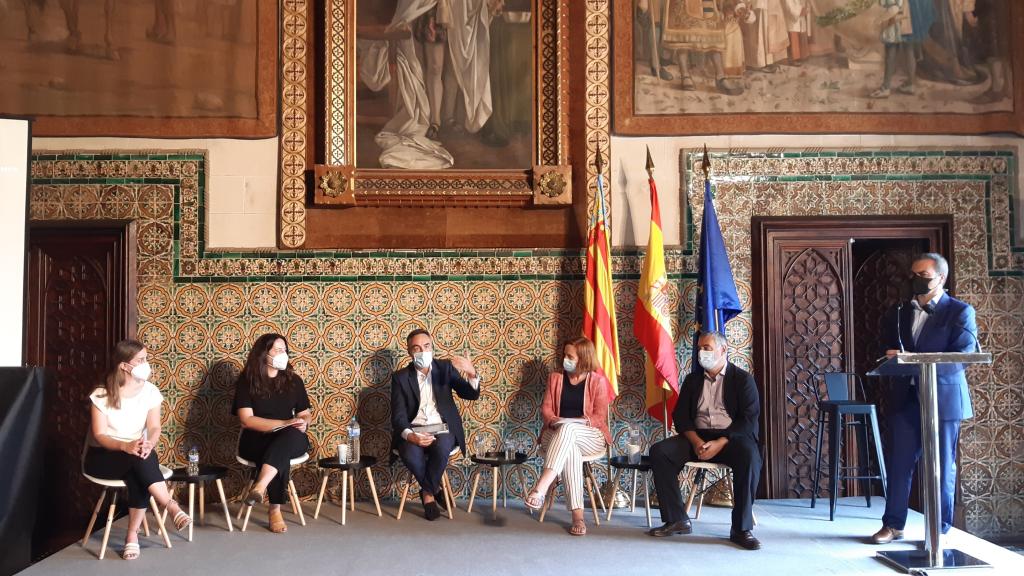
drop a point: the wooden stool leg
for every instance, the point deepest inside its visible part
(373, 490)
(320, 498)
(494, 489)
(504, 487)
(163, 515)
(703, 486)
(547, 500)
(202, 504)
(344, 495)
(632, 499)
(145, 525)
(160, 521)
(692, 478)
(449, 500)
(92, 520)
(295, 501)
(248, 511)
(472, 492)
(647, 497)
(589, 471)
(245, 492)
(590, 484)
(352, 491)
(110, 520)
(401, 503)
(615, 486)
(224, 503)
(191, 507)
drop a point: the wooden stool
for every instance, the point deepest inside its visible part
(495, 461)
(449, 496)
(293, 494)
(348, 484)
(697, 480)
(589, 482)
(206, 474)
(621, 463)
(116, 485)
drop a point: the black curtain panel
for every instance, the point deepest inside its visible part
(21, 452)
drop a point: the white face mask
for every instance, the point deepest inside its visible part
(423, 359)
(569, 365)
(142, 371)
(707, 359)
(279, 361)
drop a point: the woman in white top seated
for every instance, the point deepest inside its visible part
(125, 429)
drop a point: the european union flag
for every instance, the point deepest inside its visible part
(717, 301)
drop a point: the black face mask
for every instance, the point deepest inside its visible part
(920, 286)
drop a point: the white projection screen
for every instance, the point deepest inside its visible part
(15, 145)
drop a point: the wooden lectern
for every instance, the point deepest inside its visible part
(923, 365)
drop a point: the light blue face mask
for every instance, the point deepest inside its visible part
(423, 359)
(569, 365)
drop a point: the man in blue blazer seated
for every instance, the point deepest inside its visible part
(716, 418)
(421, 396)
(932, 321)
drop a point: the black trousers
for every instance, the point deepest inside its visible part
(428, 464)
(741, 454)
(274, 449)
(138, 474)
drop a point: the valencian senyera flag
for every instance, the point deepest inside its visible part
(598, 293)
(717, 300)
(652, 323)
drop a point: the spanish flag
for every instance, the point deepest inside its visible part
(598, 294)
(652, 324)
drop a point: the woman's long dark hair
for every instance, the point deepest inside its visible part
(115, 378)
(255, 370)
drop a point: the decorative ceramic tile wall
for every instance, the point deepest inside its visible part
(346, 313)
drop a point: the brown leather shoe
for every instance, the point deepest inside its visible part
(886, 535)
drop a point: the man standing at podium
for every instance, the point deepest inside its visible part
(932, 321)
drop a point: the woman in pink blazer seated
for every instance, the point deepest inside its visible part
(575, 412)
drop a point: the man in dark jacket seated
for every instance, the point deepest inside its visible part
(716, 421)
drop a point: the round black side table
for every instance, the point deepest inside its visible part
(622, 464)
(348, 484)
(206, 474)
(495, 461)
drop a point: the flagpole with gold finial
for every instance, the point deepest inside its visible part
(705, 166)
(664, 393)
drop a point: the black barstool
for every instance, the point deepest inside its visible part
(830, 418)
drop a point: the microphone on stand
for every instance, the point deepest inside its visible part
(977, 343)
(899, 333)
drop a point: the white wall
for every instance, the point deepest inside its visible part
(241, 200)
(631, 196)
(13, 188)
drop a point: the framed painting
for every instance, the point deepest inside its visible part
(818, 66)
(163, 68)
(458, 109)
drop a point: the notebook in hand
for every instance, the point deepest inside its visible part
(561, 421)
(435, 429)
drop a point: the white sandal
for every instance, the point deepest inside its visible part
(131, 551)
(534, 501)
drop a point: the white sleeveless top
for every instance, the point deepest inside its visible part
(127, 422)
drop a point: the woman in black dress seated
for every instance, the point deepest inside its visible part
(272, 405)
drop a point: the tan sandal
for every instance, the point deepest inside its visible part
(277, 524)
(578, 528)
(255, 497)
(181, 520)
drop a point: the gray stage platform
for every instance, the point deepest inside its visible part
(798, 541)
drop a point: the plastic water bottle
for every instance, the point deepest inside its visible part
(353, 438)
(633, 445)
(193, 461)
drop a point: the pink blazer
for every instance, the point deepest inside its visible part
(595, 403)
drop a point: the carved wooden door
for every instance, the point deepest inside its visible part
(820, 286)
(77, 308)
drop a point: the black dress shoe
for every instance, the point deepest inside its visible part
(431, 511)
(670, 528)
(439, 499)
(745, 538)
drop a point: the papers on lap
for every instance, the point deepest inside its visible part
(435, 429)
(561, 421)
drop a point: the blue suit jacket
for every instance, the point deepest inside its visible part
(948, 328)
(405, 399)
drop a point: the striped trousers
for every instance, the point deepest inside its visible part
(564, 452)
